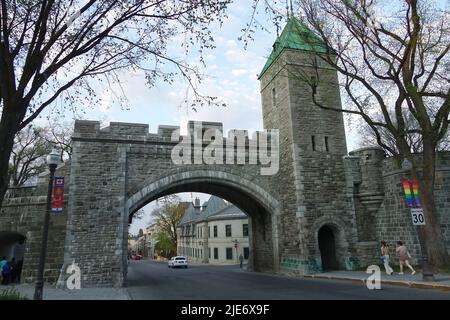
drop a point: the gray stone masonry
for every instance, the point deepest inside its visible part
(355, 199)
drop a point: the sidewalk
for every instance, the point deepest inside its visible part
(52, 293)
(442, 281)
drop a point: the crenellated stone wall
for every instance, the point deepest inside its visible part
(23, 212)
(376, 184)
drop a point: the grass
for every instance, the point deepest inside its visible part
(11, 294)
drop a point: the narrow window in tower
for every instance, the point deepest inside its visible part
(313, 143)
(313, 84)
(327, 148)
(274, 97)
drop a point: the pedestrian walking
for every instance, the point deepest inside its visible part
(385, 257)
(3, 261)
(404, 257)
(14, 270)
(241, 260)
(19, 270)
(6, 273)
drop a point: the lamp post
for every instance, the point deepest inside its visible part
(52, 160)
(427, 270)
(236, 247)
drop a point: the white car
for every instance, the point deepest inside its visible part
(178, 261)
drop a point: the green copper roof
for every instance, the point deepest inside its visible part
(295, 35)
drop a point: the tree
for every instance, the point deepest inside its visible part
(164, 245)
(369, 137)
(55, 49)
(59, 135)
(28, 155)
(139, 214)
(32, 145)
(167, 218)
(395, 70)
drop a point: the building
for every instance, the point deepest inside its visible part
(326, 208)
(151, 231)
(215, 232)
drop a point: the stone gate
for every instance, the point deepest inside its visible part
(320, 203)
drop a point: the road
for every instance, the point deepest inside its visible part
(152, 280)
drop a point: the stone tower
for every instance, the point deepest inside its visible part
(312, 146)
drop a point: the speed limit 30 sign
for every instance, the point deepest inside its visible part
(418, 219)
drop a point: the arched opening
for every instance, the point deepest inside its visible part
(327, 247)
(12, 249)
(212, 234)
(259, 206)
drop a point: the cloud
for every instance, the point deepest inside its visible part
(106, 101)
(238, 72)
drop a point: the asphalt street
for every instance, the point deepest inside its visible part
(153, 280)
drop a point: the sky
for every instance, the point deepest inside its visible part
(231, 75)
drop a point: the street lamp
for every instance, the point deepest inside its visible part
(427, 270)
(236, 247)
(53, 160)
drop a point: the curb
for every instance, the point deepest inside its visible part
(410, 284)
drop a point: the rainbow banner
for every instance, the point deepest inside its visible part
(415, 188)
(412, 194)
(408, 194)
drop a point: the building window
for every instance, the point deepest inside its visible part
(201, 253)
(216, 253)
(229, 253)
(215, 231)
(209, 253)
(327, 148)
(245, 230)
(228, 230)
(313, 143)
(209, 232)
(246, 252)
(274, 97)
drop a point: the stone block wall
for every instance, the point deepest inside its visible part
(394, 218)
(23, 212)
(118, 169)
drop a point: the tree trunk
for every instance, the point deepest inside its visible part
(433, 237)
(9, 125)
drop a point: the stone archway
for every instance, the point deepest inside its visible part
(327, 248)
(328, 230)
(263, 209)
(12, 247)
(12, 244)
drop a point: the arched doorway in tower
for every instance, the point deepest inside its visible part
(327, 247)
(12, 249)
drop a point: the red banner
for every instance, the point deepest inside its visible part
(58, 195)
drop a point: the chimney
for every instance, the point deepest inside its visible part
(197, 203)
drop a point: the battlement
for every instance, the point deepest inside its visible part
(392, 165)
(203, 131)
